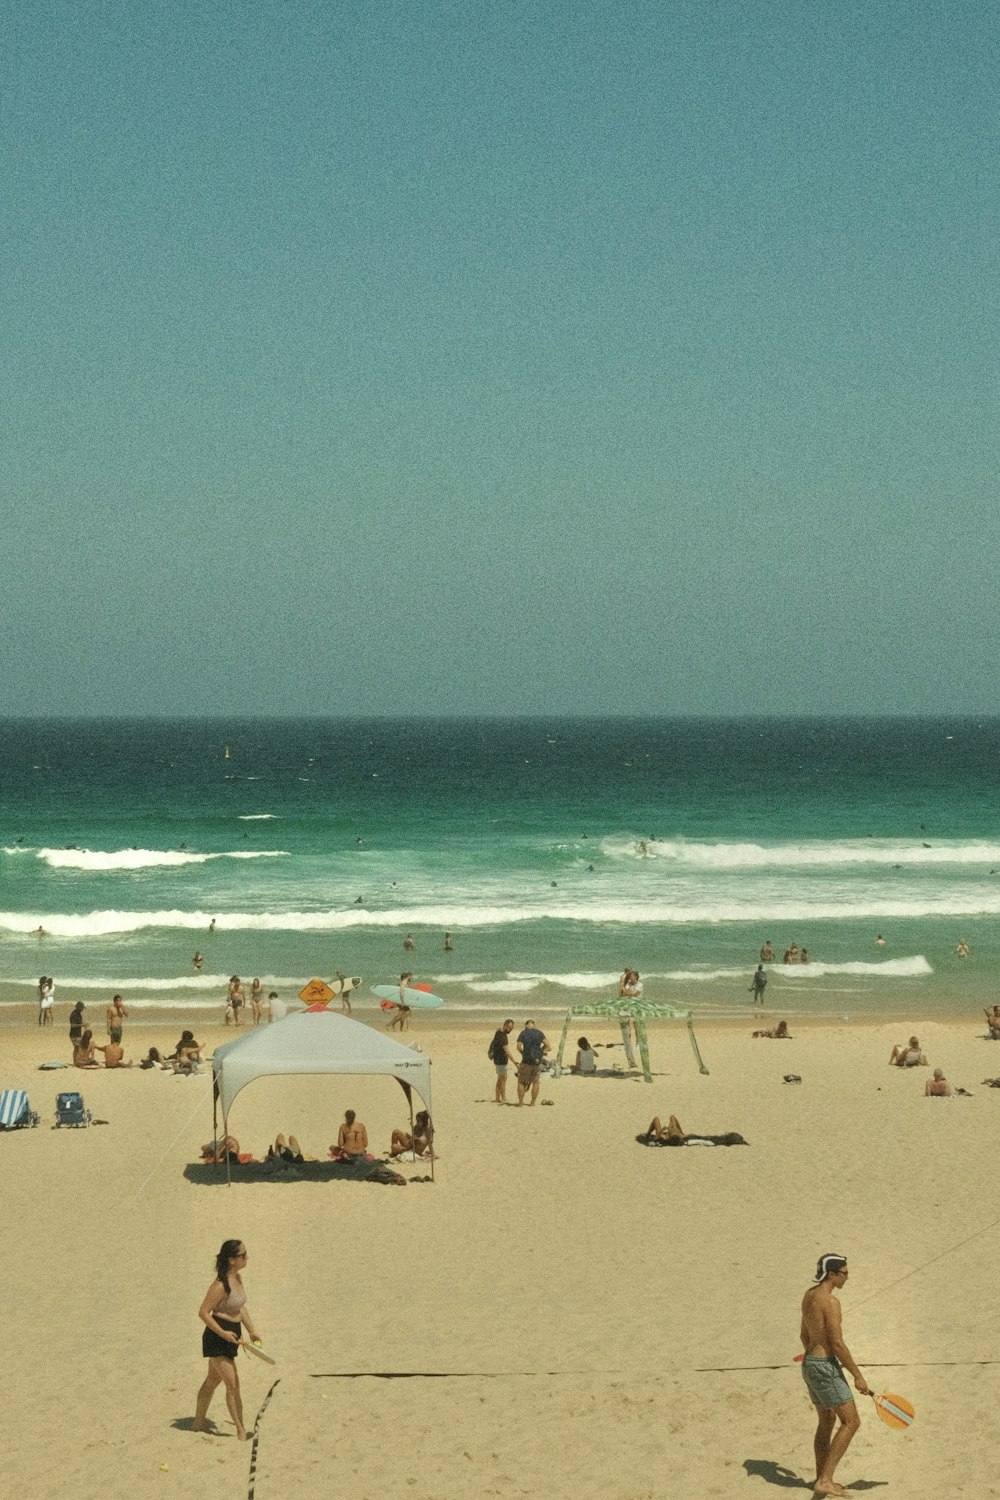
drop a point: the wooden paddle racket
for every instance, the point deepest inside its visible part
(895, 1411)
(258, 1351)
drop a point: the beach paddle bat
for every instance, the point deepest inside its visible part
(258, 1351)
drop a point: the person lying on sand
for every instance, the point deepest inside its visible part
(779, 1033)
(420, 1142)
(217, 1151)
(674, 1134)
(908, 1056)
(674, 1130)
(289, 1150)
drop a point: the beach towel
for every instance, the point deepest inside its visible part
(730, 1139)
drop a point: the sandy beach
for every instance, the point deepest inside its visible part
(581, 1315)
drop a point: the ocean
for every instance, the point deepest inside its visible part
(555, 852)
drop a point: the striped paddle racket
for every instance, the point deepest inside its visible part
(895, 1411)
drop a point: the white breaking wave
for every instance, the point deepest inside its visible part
(682, 854)
(573, 981)
(890, 968)
(143, 859)
(100, 923)
(504, 986)
(255, 817)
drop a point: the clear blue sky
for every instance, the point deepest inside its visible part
(449, 358)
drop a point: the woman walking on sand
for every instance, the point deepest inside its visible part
(225, 1314)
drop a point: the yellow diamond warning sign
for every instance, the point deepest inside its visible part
(316, 992)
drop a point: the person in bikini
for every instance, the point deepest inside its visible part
(352, 1139)
(825, 1354)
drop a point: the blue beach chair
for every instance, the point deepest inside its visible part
(70, 1111)
(15, 1111)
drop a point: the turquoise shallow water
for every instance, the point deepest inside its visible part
(555, 852)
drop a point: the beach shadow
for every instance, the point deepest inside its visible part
(773, 1473)
(186, 1424)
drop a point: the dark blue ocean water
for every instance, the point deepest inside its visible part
(555, 852)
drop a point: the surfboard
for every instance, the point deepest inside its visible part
(347, 985)
(418, 997)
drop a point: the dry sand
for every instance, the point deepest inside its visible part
(574, 1303)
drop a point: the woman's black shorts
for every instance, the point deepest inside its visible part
(212, 1347)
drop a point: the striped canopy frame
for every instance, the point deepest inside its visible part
(624, 1009)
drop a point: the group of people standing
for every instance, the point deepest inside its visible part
(237, 1001)
(532, 1045)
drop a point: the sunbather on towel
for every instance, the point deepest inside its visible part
(421, 1141)
(289, 1150)
(217, 1151)
(674, 1134)
(779, 1033)
(674, 1130)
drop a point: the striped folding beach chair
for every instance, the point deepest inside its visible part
(15, 1111)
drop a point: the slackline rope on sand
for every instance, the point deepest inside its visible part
(256, 1435)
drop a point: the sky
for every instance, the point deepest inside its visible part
(537, 358)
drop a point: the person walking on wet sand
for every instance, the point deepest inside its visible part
(825, 1353)
(758, 985)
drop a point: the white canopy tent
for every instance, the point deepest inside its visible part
(314, 1041)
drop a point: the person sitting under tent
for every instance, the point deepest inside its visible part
(228, 1147)
(352, 1139)
(420, 1142)
(289, 1150)
(779, 1033)
(586, 1058)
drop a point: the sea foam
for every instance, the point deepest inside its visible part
(684, 854)
(143, 859)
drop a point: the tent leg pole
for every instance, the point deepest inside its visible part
(623, 1022)
(694, 1045)
(229, 1170)
(557, 1066)
(640, 1031)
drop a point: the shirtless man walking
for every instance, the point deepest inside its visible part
(825, 1353)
